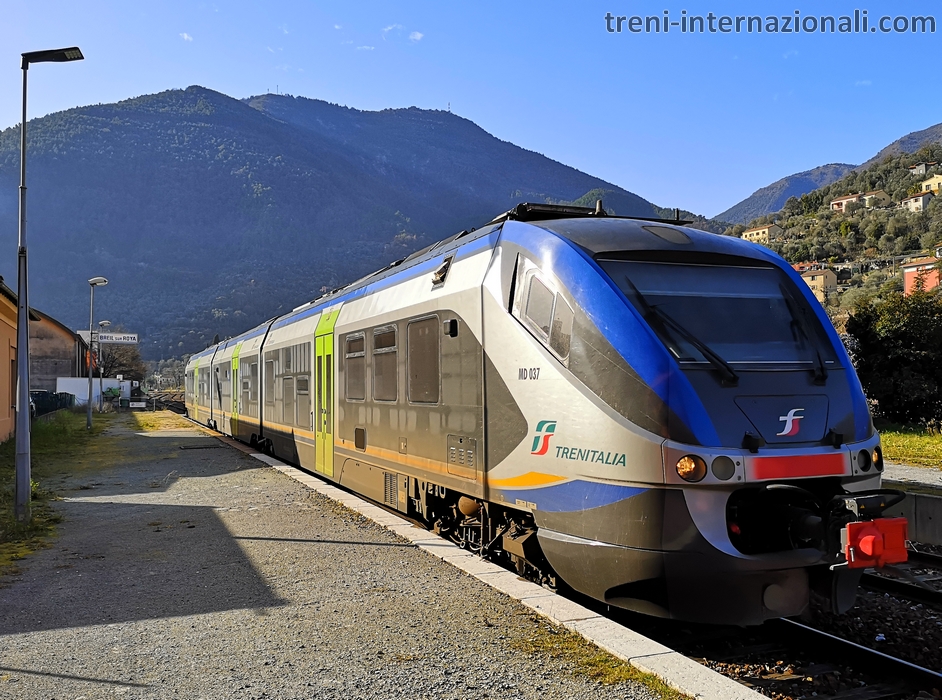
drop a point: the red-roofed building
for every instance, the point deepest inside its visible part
(922, 270)
(916, 203)
(840, 204)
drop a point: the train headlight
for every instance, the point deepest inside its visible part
(863, 461)
(691, 468)
(723, 468)
(878, 458)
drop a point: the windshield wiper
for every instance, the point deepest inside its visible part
(820, 370)
(728, 374)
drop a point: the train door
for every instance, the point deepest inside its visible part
(235, 391)
(324, 392)
(197, 388)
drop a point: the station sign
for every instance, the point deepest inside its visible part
(113, 338)
(118, 338)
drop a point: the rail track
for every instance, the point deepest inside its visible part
(921, 582)
(169, 400)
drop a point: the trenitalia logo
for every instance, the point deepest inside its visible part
(541, 442)
(791, 423)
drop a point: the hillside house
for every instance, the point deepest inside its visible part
(931, 185)
(54, 351)
(876, 198)
(924, 270)
(822, 283)
(840, 204)
(805, 266)
(921, 168)
(762, 234)
(916, 203)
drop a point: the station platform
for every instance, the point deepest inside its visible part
(190, 569)
(903, 476)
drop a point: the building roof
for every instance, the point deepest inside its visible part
(40, 316)
(11, 295)
(816, 272)
(916, 165)
(760, 228)
(921, 261)
(847, 196)
(927, 193)
(867, 194)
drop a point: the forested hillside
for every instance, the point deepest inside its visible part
(811, 231)
(210, 214)
(773, 197)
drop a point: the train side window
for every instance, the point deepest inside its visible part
(253, 382)
(561, 332)
(385, 364)
(269, 381)
(545, 312)
(288, 393)
(355, 367)
(303, 386)
(424, 360)
(539, 309)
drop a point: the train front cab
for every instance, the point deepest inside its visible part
(667, 334)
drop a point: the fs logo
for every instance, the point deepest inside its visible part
(544, 431)
(791, 422)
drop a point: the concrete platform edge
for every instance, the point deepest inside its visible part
(676, 670)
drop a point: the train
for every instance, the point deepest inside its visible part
(659, 418)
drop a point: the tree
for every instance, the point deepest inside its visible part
(899, 354)
(124, 360)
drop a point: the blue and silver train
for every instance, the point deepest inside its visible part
(657, 417)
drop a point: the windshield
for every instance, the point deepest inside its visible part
(743, 315)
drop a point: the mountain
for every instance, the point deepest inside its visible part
(209, 214)
(773, 197)
(910, 143)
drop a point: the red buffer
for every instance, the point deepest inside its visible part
(875, 543)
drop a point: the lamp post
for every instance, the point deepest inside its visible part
(101, 325)
(92, 283)
(23, 488)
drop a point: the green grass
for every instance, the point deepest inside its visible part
(55, 446)
(911, 446)
(586, 659)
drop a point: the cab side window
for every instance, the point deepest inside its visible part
(544, 310)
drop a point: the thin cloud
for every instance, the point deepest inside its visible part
(284, 28)
(365, 48)
(863, 83)
(789, 54)
(186, 37)
(270, 49)
(338, 26)
(416, 36)
(391, 27)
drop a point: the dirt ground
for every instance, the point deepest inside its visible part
(187, 569)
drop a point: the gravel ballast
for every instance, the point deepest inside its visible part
(202, 573)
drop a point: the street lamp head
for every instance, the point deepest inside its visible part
(104, 324)
(73, 53)
(98, 281)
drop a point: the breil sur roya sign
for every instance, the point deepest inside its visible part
(113, 338)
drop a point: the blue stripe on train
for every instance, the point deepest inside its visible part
(572, 496)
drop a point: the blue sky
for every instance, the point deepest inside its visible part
(689, 120)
